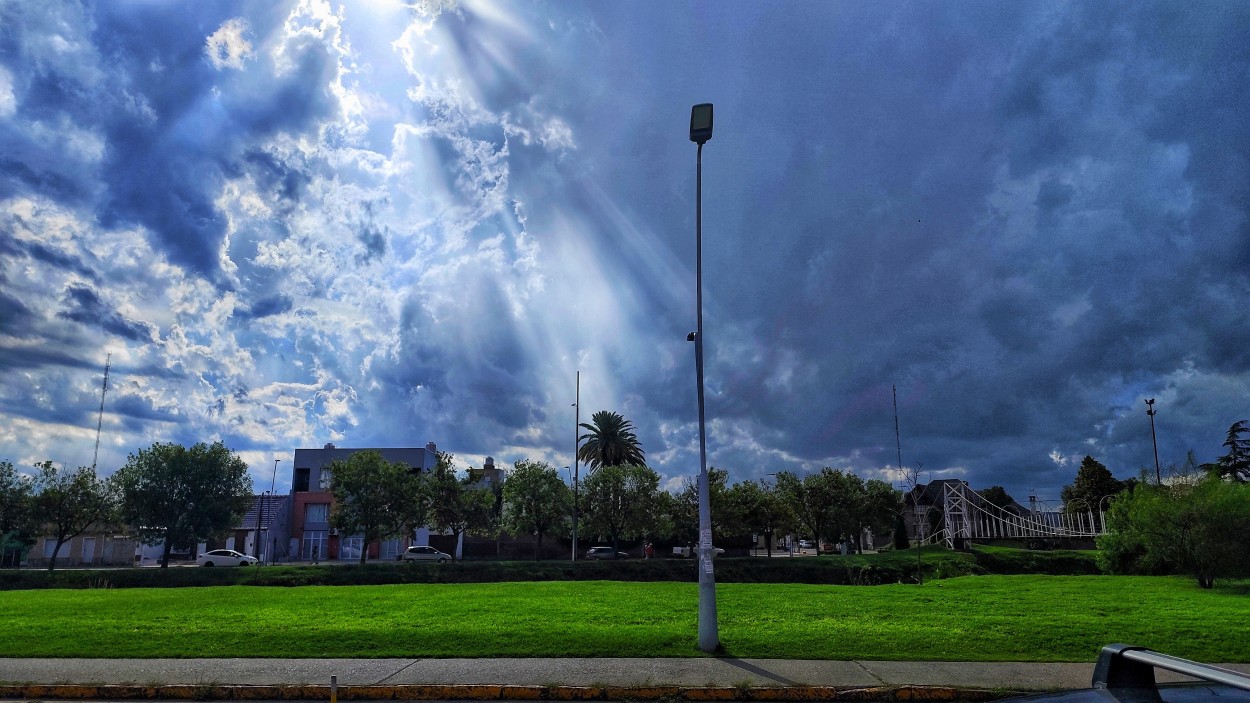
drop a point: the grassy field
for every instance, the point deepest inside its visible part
(979, 618)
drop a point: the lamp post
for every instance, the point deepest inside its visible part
(709, 640)
(577, 424)
(1150, 410)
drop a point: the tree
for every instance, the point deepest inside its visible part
(610, 441)
(881, 506)
(459, 506)
(536, 501)
(620, 500)
(69, 502)
(1197, 527)
(18, 526)
(415, 501)
(762, 509)
(810, 499)
(1236, 463)
(997, 496)
(1093, 483)
(727, 516)
(183, 495)
(369, 493)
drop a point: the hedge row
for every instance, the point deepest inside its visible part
(869, 569)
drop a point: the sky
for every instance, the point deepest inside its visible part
(382, 224)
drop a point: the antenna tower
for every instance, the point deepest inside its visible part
(100, 422)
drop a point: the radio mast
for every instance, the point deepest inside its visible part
(100, 422)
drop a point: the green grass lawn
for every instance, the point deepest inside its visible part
(979, 618)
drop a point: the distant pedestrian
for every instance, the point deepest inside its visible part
(314, 555)
(648, 551)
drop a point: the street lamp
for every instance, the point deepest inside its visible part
(577, 424)
(272, 480)
(709, 640)
(1150, 410)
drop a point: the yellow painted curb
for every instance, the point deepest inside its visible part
(479, 692)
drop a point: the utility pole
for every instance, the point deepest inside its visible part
(100, 422)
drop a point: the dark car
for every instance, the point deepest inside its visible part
(1127, 674)
(604, 553)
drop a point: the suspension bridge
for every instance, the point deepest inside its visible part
(966, 516)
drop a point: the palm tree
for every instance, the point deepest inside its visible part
(610, 441)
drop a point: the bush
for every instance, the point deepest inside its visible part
(894, 566)
(1200, 528)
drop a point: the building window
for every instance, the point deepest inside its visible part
(49, 544)
(301, 480)
(316, 513)
(390, 549)
(349, 548)
(326, 479)
(314, 540)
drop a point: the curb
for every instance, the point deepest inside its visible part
(462, 692)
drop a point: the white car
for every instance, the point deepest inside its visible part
(224, 557)
(424, 554)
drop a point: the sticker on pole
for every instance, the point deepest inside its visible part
(705, 537)
(706, 561)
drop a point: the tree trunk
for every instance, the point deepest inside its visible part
(614, 548)
(60, 540)
(538, 547)
(768, 542)
(165, 553)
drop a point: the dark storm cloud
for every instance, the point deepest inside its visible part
(16, 319)
(272, 305)
(1009, 212)
(140, 408)
(82, 304)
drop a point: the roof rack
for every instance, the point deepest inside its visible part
(1122, 666)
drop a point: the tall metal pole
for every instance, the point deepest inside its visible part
(272, 480)
(577, 424)
(1150, 410)
(709, 639)
(100, 422)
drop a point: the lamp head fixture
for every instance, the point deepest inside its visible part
(701, 123)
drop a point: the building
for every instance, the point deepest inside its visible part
(99, 545)
(262, 532)
(311, 537)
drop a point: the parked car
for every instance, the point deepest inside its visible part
(685, 552)
(806, 544)
(424, 554)
(604, 553)
(224, 557)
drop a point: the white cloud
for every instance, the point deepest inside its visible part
(8, 101)
(227, 47)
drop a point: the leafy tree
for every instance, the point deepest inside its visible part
(369, 494)
(70, 502)
(882, 504)
(413, 503)
(1197, 527)
(535, 501)
(620, 500)
(609, 441)
(1236, 463)
(183, 495)
(18, 526)
(459, 505)
(726, 512)
(762, 509)
(811, 500)
(1093, 483)
(997, 496)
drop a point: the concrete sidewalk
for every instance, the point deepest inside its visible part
(721, 678)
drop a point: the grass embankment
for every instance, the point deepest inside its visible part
(866, 569)
(985, 618)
